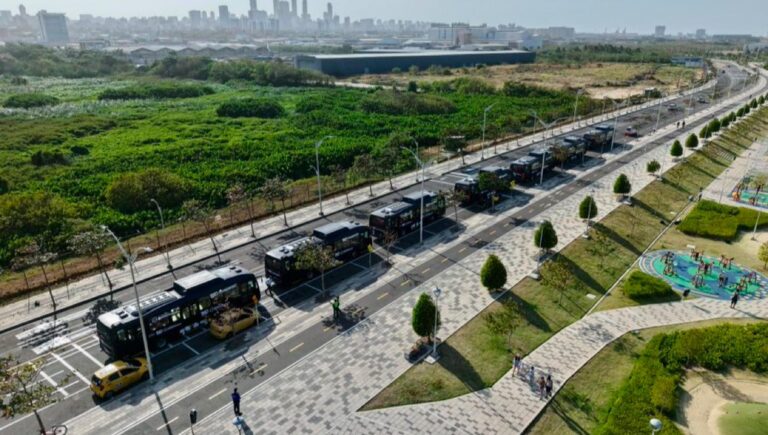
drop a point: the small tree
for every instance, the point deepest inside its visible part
(235, 195)
(600, 246)
(33, 255)
(456, 144)
(705, 133)
(275, 189)
(316, 258)
(762, 254)
(488, 182)
(28, 392)
(691, 142)
(558, 275)
(455, 198)
(545, 236)
(423, 317)
(92, 243)
(622, 186)
(201, 213)
(676, 150)
(390, 238)
(413, 87)
(504, 321)
(364, 165)
(587, 208)
(761, 100)
(493, 275)
(652, 167)
(561, 154)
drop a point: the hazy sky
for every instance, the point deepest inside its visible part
(717, 16)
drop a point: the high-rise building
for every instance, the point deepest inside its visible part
(294, 8)
(701, 33)
(304, 10)
(223, 13)
(253, 5)
(660, 31)
(195, 17)
(276, 7)
(53, 28)
(22, 10)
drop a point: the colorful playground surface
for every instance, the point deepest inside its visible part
(685, 268)
(751, 190)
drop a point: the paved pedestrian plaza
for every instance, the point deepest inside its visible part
(720, 280)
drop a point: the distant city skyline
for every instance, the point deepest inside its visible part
(585, 15)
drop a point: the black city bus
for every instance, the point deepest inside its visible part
(402, 217)
(177, 312)
(470, 186)
(348, 240)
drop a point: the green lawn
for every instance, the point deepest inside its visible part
(744, 419)
(475, 357)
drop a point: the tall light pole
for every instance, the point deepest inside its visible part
(658, 114)
(415, 142)
(576, 105)
(437, 292)
(317, 171)
(757, 221)
(421, 213)
(157, 234)
(130, 259)
(589, 213)
(485, 118)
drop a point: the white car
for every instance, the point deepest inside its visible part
(630, 132)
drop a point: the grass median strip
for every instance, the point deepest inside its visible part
(476, 356)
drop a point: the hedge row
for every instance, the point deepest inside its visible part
(652, 388)
(155, 91)
(28, 101)
(641, 286)
(720, 222)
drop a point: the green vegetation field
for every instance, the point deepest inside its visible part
(744, 419)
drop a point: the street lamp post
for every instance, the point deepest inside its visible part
(615, 122)
(157, 233)
(576, 105)
(317, 171)
(589, 213)
(757, 221)
(421, 213)
(131, 259)
(658, 114)
(437, 292)
(485, 118)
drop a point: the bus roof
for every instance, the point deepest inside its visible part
(288, 249)
(392, 209)
(415, 197)
(337, 230)
(207, 277)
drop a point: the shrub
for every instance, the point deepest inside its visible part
(545, 236)
(396, 103)
(5, 186)
(691, 142)
(156, 91)
(131, 192)
(676, 150)
(28, 101)
(640, 286)
(652, 167)
(719, 222)
(664, 394)
(47, 157)
(251, 107)
(622, 186)
(493, 275)
(587, 208)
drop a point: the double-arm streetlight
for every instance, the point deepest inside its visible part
(130, 259)
(485, 119)
(421, 213)
(157, 234)
(317, 171)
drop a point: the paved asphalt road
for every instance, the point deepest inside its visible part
(79, 360)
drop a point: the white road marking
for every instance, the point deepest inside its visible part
(217, 394)
(90, 357)
(190, 348)
(296, 347)
(162, 426)
(382, 296)
(54, 384)
(72, 369)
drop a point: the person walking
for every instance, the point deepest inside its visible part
(549, 386)
(516, 364)
(542, 387)
(532, 376)
(236, 402)
(734, 299)
(335, 304)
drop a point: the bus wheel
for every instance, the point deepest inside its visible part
(109, 395)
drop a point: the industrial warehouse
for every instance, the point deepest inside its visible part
(375, 63)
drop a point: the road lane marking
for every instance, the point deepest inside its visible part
(404, 283)
(462, 249)
(72, 369)
(444, 260)
(492, 232)
(190, 348)
(382, 296)
(296, 347)
(162, 426)
(54, 384)
(90, 357)
(327, 328)
(426, 270)
(259, 368)
(217, 394)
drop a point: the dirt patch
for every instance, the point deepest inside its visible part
(705, 395)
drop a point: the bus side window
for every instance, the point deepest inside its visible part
(204, 303)
(175, 315)
(185, 313)
(192, 310)
(121, 335)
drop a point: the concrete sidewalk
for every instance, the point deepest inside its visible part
(75, 293)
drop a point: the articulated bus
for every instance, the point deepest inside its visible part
(177, 312)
